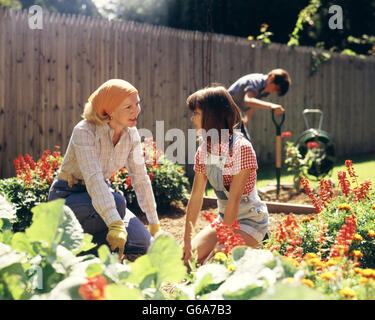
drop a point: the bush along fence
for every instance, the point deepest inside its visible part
(327, 256)
(33, 179)
(47, 75)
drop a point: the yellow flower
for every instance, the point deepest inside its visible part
(250, 38)
(373, 207)
(310, 255)
(356, 254)
(371, 233)
(293, 261)
(289, 280)
(331, 262)
(307, 282)
(347, 293)
(368, 273)
(327, 275)
(231, 267)
(220, 256)
(357, 237)
(363, 280)
(305, 219)
(344, 206)
(316, 262)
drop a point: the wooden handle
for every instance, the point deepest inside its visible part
(278, 151)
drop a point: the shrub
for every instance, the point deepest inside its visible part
(168, 180)
(31, 185)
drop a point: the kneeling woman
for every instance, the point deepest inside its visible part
(229, 164)
(104, 142)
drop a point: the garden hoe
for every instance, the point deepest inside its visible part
(278, 150)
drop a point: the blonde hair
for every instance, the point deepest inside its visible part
(92, 116)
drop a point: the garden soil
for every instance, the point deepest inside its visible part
(173, 220)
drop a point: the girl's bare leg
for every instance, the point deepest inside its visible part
(204, 242)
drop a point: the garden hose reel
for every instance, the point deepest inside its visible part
(323, 160)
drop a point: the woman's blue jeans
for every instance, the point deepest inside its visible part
(79, 201)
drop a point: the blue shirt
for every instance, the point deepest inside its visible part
(255, 82)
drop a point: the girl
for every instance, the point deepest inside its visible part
(106, 141)
(229, 163)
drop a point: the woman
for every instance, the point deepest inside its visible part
(104, 142)
(229, 163)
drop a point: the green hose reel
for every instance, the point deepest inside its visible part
(323, 159)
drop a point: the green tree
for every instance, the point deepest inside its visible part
(84, 7)
(14, 4)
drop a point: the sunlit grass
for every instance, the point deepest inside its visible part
(364, 165)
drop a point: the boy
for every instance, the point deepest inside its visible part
(248, 91)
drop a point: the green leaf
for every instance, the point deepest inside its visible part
(46, 220)
(86, 244)
(104, 253)
(94, 269)
(15, 281)
(72, 232)
(238, 252)
(203, 284)
(21, 243)
(244, 294)
(291, 292)
(166, 256)
(141, 271)
(122, 292)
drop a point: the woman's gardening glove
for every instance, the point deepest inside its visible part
(154, 229)
(116, 237)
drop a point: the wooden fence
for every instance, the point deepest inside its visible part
(47, 75)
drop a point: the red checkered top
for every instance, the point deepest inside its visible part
(241, 157)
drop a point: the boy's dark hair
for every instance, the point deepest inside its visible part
(219, 111)
(282, 79)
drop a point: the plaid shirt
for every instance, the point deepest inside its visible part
(91, 157)
(241, 157)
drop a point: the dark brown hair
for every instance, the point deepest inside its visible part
(282, 79)
(219, 111)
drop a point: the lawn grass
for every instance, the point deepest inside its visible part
(364, 166)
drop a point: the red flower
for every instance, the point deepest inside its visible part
(94, 288)
(312, 145)
(151, 175)
(344, 183)
(226, 235)
(128, 181)
(286, 134)
(344, 237)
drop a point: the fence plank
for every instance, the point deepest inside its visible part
(47, 75)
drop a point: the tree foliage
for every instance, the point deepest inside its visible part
(84, 7)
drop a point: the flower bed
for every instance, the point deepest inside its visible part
(33, 179)
(326, 256)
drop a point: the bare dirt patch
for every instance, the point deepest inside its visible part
(173, 220)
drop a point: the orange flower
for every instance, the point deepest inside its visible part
(371, 234)
(357, 237)
(344, 206)
(327, 275)
(356, 254)
(347, 293)
(307, 282)
(94, 288)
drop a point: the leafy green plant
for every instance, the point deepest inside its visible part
(264, 35)
(317, 58)
(168, 180)
(305, 16)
